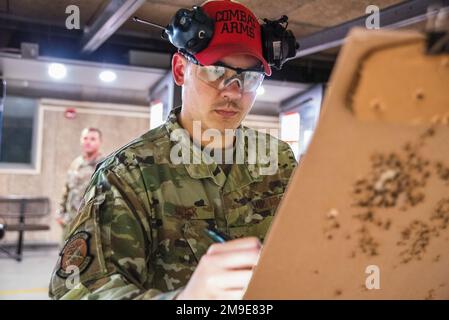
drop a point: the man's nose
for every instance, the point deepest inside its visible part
(233, 90)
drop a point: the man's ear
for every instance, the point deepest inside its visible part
(178, 67)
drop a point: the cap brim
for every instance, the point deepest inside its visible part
(210, 55)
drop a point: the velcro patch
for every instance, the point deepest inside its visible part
(185, 212)
(75, 255)
(262, 204)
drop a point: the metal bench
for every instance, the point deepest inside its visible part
(16, 213)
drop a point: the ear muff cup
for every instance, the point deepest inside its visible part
(190, 30)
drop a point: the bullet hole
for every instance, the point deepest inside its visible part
(333, 213)
(377, 106)
(419, 94)
(331, 224)
(430, 132)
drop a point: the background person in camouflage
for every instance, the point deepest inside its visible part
(140, 231)
(78, 176)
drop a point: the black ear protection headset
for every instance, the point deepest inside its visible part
(191, 31)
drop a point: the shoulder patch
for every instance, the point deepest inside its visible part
(75, 254)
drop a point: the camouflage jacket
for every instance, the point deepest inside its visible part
(140, 232)
(78, 178)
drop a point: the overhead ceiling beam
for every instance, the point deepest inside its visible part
(396, 16)
(114, 15)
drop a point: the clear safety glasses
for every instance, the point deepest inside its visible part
(219, 76)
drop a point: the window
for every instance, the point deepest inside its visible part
(290, 130)
(299, 120)
(18, 144)
(156, 115)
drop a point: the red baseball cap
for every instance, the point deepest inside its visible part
(236, 31)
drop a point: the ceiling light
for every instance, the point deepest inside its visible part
(107, 76)
(57, 71)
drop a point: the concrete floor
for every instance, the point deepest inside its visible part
(28, 279)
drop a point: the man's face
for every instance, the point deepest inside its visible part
(217, 109)
(90, 142)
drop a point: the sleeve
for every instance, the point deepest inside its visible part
(107, 255)
(63, 203)
(62, 210)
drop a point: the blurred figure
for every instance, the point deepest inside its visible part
(78, 177)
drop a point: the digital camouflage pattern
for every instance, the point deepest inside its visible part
(78, 178)
(145, 217)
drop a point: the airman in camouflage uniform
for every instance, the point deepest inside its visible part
(139, 233)
(78, 177)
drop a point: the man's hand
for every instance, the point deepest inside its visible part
(224, 271)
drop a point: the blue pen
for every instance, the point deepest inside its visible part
(216, 235)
